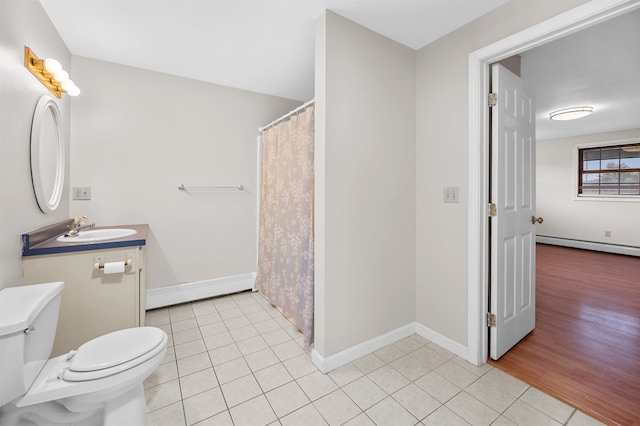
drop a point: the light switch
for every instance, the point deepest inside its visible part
(451, 194)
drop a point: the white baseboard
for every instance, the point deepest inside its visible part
(187, 292)
(442, 341)
(334, 361)
(365, 348)
(589, 245)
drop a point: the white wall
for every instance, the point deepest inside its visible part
(136, 135)
(365, 185)
(23, 23)
(442, 157)
(587, 219)
(391, 133)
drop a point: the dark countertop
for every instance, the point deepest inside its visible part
(43, 240)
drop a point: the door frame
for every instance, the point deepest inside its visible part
(569, 22)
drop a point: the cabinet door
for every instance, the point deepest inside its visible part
(93, 303)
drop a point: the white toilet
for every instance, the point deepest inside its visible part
(99, 384)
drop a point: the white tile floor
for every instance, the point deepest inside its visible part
(235, 360)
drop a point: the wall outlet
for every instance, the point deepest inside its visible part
(451, 194)
(81, 192)
(607, 234)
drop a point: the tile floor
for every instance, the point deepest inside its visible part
(234, 360)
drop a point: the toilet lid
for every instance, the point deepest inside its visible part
(115, 348)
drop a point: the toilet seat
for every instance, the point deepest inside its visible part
(114, 353)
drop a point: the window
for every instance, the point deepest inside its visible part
(609, 171)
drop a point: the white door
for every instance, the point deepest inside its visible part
(513, 236)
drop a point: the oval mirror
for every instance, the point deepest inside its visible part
(47, 154)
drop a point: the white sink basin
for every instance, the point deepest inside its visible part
(93, 235)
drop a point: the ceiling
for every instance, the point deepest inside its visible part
(267, 46)
(598, 67)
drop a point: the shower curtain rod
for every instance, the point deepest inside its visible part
(287, 115)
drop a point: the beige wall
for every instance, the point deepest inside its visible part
(580, 219)
(23, 23)
(442, 157)
(365, 191)
(136, 135)
(391, 133)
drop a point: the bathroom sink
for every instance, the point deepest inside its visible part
(94, 235)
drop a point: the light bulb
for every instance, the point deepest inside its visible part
(52, 66)
(61, 76)
(66, 85)
(73, 91)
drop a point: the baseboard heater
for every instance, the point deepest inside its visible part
(188, 292)
(590, 245)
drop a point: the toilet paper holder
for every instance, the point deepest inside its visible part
(99, 266)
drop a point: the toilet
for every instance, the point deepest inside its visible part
(99, 384)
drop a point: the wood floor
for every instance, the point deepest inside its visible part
(585, 349)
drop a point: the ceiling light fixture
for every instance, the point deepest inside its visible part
(50, 73)
(572, 113)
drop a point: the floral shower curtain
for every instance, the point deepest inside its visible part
(285, 247)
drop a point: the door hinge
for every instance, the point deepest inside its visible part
(493, 210)
(493, 99)
(491, 320)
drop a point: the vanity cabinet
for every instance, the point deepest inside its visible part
(93, 302)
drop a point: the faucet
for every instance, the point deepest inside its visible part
(79, 225)
(75, 231)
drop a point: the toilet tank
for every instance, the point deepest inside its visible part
(28, 320)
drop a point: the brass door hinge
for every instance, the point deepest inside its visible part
(493, 99)
(493, 210)
(491, 320)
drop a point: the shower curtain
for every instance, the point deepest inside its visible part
(285, 247)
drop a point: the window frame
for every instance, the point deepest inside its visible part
(577, 170)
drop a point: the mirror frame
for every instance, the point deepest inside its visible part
(48, 203)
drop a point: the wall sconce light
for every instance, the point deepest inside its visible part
(572, 113)
(50, 73)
